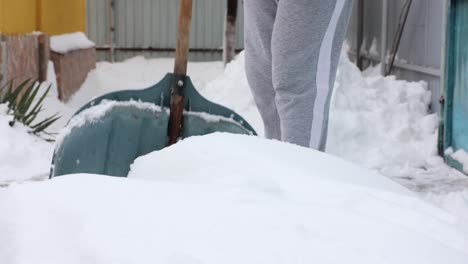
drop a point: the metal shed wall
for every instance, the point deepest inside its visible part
(420, 52)
(152, 24)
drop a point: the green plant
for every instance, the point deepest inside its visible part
(24, 106)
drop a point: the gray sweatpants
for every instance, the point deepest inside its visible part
(292, 48)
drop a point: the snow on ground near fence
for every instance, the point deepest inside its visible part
(227, 199)
(377, 122)
(22, 156)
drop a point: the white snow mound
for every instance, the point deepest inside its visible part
(22, 156)
(226, 199)
(69, 42)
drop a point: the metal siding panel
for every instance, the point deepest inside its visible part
(120, 23)
(240, 25)
(372, 23)
(153, 23)
(91, 27)
(218, 29)
(97, 21)
(413, 42)
(159, 39)
(196, 29)
(138, 15)
(89, 21)
(154, 29)
(421, 42)
(435, 33)
(172, 33)
(211, 23)
(129, 23)
(163, 27)
(147, 18)
(352, 28)
(103, 16)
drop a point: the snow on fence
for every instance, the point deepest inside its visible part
(26, 57)
(74, 56)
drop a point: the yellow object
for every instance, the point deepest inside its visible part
(61, 16)
(17, 16)
(49, 16)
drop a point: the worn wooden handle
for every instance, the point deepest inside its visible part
(183, 37)
(180, 71)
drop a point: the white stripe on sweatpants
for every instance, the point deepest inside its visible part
(323, 76)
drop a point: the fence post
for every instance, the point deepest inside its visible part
(359, 33)
(44, 55)
(229, 50)
(383, 49)
(2, 61)
(111, 5)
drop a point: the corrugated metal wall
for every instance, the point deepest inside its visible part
(152, 23)
(142, 24)
(421, 42)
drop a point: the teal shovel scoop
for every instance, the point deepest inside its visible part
(106, 135)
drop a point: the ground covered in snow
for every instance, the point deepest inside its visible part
(211, 201)
(379, 123)
(22, 156)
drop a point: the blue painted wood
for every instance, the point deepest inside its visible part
(459, 76)
(456, 80)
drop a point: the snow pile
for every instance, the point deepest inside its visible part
(380, 122)
(231, 89)
(454, 202)
(260, 202)
(394, 135)
(460, 156)
(69, 42)
(22, 155)
(137, 73)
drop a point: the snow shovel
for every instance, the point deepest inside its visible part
(106, 135)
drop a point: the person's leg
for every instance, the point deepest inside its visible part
(306, 45)
(259, 19)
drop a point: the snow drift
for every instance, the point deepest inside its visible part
(22, 156)
(226, 199)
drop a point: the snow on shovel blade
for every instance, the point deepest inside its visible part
(109, 133)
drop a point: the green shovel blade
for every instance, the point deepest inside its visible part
(109, 144)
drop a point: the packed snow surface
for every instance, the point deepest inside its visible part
(22, 156)
(227, 199)
(296, 198)
(69, 42)
(460, 156)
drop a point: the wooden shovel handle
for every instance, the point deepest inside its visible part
(180, 71)
(183, 37)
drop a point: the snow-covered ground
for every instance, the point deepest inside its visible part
(22, 156)
(378, 123)
(227, 199)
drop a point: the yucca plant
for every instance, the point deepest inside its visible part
(24, 107)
